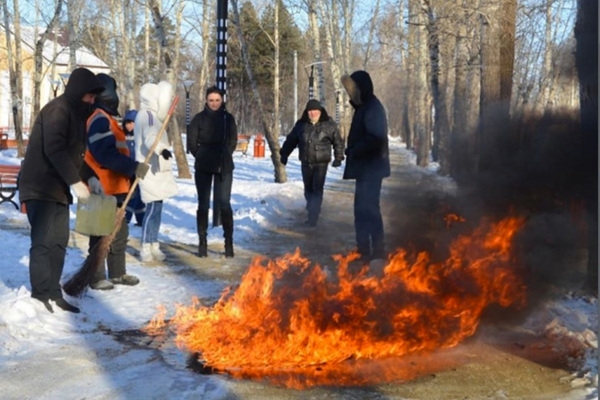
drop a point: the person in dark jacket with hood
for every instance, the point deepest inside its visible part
(314, 134)
(367, 162)
(52, 167)
(211, 139)
(107, 154)
(136, 205)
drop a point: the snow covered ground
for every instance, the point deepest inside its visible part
(67, 356)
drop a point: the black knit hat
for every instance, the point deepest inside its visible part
(313, 104)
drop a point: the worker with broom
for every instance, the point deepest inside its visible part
(108, 156)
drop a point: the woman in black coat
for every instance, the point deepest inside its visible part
(211, 139)
(314, 134)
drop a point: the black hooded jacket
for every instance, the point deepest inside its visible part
(314, 141)
(367, 149)
(54, 157)
(211, 139)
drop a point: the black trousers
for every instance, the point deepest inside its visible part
(368, 222)
(313, 177)
(222, 181)
(49, 238)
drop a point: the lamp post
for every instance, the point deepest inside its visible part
(187, 84)
(55, 85)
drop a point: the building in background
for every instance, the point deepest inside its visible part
(55, 72)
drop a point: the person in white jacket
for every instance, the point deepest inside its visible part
(159, 183)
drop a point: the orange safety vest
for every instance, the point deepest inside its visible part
(112, 181)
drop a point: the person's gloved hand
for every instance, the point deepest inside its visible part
(81, 190)
(141, 170)
(95, 186)
(166, 154)
(336, 163)
(283, 160)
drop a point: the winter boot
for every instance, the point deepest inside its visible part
(227, 218)
(156, 253)
(228, 248)
(202, 225)
(146, 253)
(202, 247)
(66, 306)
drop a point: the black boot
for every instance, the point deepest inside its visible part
(202, 225)
(227, 220)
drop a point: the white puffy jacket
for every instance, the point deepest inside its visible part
(159, 183)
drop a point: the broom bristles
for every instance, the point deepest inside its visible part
(94, 261)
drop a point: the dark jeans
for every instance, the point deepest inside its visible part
(135, 206)
(368, 222)
(313, 177)
(49, 238)
(222, 183)
(115, 259)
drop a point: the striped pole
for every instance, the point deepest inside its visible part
(222, 47)
(222, 6)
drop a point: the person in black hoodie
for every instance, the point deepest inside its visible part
(314, 134)
(52, 167)
(368, 162)
(211, 139)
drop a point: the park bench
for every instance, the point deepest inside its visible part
(8, 183)
(6, 143)
(242, 143)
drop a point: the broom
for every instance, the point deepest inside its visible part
(95, 260)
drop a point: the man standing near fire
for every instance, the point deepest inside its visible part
(368, 162)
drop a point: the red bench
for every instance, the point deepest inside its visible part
(3, 141)
(8, 183)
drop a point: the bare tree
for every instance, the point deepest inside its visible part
(168, 57)
(15, 71)
(420, 101)
(272, 141)
(38, 54)
(441, 125)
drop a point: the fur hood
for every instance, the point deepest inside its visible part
(157, 98)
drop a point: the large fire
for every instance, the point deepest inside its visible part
(291, 315)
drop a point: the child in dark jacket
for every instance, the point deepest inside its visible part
(136, 205)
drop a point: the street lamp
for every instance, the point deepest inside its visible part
(187, 84)
(55, 85)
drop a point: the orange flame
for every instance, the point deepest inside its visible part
(288, 314)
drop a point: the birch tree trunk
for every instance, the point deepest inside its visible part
(586, 59)
(421, 106)
(170, 63)
(207, 10)
(337, 55)
(490, 78)
(463, 144)
(276, 77)
(280, 173)
(14, 71)
(38, 56)
(73, 13)
(441, 125)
